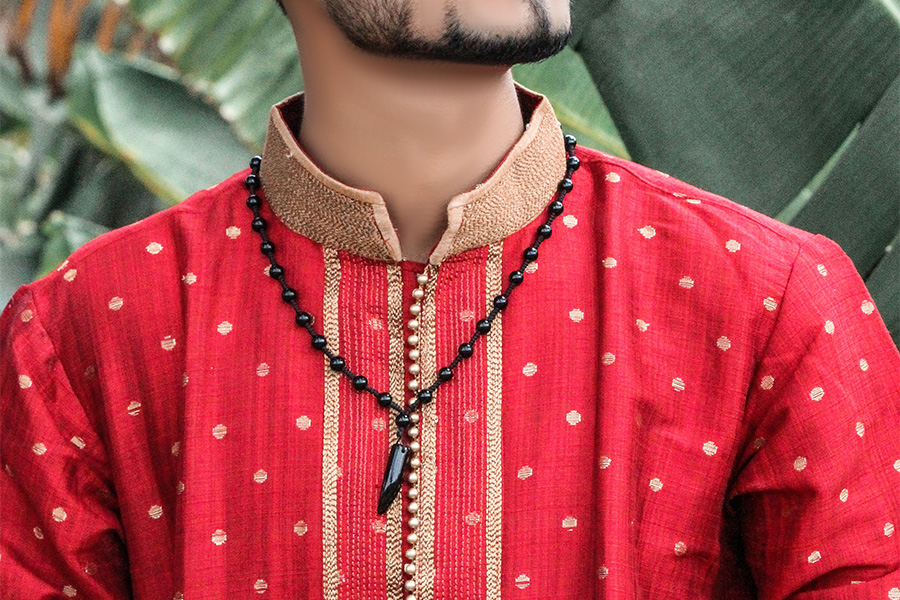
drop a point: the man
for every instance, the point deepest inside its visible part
(659, 395)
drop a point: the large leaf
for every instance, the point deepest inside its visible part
(147, 118)
(747, 98)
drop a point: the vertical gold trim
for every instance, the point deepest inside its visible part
(494, 516)
(330, 573)
(397, 376)
(425, 570)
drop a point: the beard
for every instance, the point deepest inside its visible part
(382, 27)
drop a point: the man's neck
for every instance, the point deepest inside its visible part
(417, 132)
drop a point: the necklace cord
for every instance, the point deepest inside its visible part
(337, 363)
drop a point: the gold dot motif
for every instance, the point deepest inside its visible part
(90, 568)
(815, 557)
(829, 327)
(680, 549)
(70, 274)
(710, 448)
(179, 488)
(525, 472)
(178, 596)
(867, 307)
(732, 245)
(576, 314)
(863, 364)
(379, 525)
(642, 325)
(609, 262)
(90, 371)
(189, 278)
(69, 591)
(467, 315)
(304, 422)
(656, 484)
(770, 304)
(134, 408)
(155, 511)
(573, 417)
(604, 462)
(59, 514)
(25, 382)
(260, 586)
(154, 248)
(678, 384)
(219, 431)
(767, 383)
(532, 267)
(262, 370)
(529, 369)
(378, 424)
(116, 303)
(471, 416)
(602, 572)
(648, 231)
(570, 221)
(79, 443)
(686, 282)
(822, 270)
(219, 537)
(26, 315)
(816, 394)
(473, 518)
(39, 449)
(260, 476)
(522, 581)
(233, 232)
(38, 533)
(608, 358)
(860, 429)
(168, 343)
(176, 448)
(845, 493)
(570, 523)
(692, 201)
(723, 343)
(613, 177)
(184, 379)
(300, 528)
(894, 594)
(759, 442)
(889, 529)
(800, 463)
(224, 328)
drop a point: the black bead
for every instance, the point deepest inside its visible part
(566, 185)
(303, 319)
(516, 277)
(570, 142)
(360, 383)
(393, 476)
(252, 181)
(337, 364)
(255, 162)
(267, 247)
(483, 327)
(573, 163)
(465, 350)
(556, 208)
(253, 201)
(531, 253)
(501, 301)
(258, 224)
(385, 400)
(544, 231)
(289, 295)
(445, 374)
(424, 397)
(319, 342)
(403, 421)
(276, 271)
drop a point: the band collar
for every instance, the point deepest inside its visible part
(315, 205)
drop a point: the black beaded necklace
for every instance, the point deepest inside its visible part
(400, 453)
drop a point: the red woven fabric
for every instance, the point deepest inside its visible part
(697, 402)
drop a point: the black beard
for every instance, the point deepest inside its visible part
(375, 28)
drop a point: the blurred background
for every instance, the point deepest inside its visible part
(111, 111)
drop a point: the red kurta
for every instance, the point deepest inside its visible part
(684, 399)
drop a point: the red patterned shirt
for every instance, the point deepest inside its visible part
(684, 399)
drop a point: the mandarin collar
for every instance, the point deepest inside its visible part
(318, 206)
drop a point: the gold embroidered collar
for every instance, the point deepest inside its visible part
(315, 205)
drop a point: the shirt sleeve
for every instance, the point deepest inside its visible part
(60, 531)
(817, 492)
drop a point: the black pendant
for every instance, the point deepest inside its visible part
(393, 476)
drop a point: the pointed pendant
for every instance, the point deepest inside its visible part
(393, 476)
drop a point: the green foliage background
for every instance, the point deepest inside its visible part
(790, 108)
